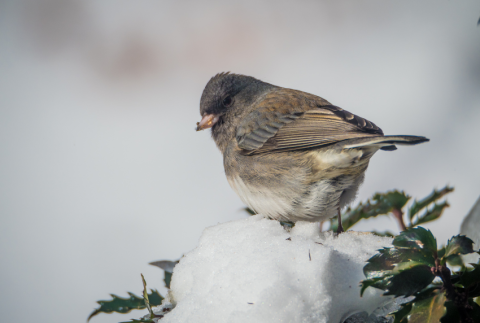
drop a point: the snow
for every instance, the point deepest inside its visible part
(255, 270)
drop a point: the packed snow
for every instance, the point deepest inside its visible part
(255, 270)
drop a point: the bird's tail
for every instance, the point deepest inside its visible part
(384, 142)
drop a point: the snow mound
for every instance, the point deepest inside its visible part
(254, 270)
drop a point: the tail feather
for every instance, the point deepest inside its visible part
(384, 142)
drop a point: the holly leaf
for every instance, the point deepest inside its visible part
(459, 245)
(377, 282)
(392, 200)
(388, 260)
(417, 206)
(428, 310)
(125, 305)
(410, 281)
(417, 238)
(431, 214)
(380, 204)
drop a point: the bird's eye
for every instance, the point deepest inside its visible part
(227, 101)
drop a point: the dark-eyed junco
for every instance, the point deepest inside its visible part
(290, 155)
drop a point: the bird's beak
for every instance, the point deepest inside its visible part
(207, 121)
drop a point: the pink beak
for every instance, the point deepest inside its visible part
(207, 121)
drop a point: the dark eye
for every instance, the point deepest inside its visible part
(227, 101)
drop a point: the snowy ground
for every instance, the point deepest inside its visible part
(254, 270)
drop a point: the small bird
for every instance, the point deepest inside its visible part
(290, 155)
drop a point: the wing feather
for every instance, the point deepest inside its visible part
(290, 120)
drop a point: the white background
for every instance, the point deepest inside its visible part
(101, 170)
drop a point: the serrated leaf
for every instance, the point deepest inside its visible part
(378, 205)
(428, 310)
(459, 245)
(418, 238)
(395, 199)
(410, 281)
(125, 305)
(388, 260)
(434, 196)
(431, 214)
(377, 282)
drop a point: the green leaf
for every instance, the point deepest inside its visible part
(390, 259)
(249, 211)
(472, 277)
(167, 278)
(441, 252)
(428, 310)
(410, 281)
(145, 297)
(451, 315)
(392, 200)
(287, 224)
(434, 196)
(418, 238)
(401, 315)
(431, 214)
(459, 245)
(125, 305)
(475, 312)
(378, 205)
(455, 260)
(377, 282)
(384, 233)
(142, 320)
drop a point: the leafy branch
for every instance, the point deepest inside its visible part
(420, 212)
(133, 302)
(409, 269)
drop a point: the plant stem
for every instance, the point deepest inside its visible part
(398, 214)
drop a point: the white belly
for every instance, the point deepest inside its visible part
(262, 200)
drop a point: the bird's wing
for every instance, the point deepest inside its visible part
(287, 120)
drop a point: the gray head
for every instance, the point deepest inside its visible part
(224, 99)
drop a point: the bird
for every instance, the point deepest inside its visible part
(290, 155)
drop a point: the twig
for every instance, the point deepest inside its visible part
(398, 214)
(459, 299)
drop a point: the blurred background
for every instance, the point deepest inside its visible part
(101, 170)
